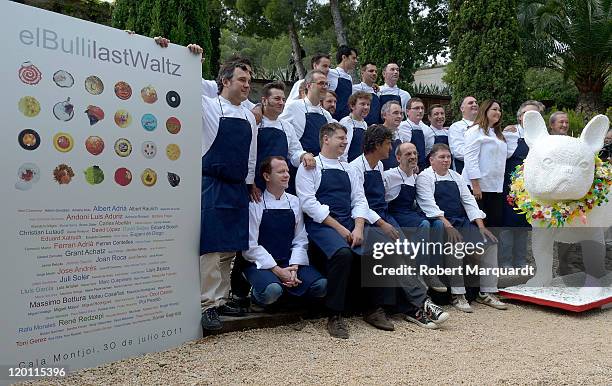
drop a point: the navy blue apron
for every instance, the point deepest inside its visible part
(510, 217)
(310, 137)
(270, 142)
(437, 139)
(417, 138)
(225, 198)
(356, 147)
(276, 232)
(403, 209)
(343, 90)
(391, 161)
(374, 189)
(335, 192)
(384, 99)
(374, 113)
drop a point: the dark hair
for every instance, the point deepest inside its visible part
(359, 95)
(483, 122)
(227, 71)
(411, 101)
(317, 57)
(438, 147)
(266, 164)
(364, 65)
(329, 129)
(238, 58)
(344, 50)
(374, 136)
(333, 93)
(272, 85)
(435, 106)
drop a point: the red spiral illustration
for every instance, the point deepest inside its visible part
(29, 73)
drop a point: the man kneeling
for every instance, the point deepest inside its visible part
(276, 259)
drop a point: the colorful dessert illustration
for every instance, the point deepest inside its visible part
(149, 149)
(29, 139)
(27, 174)
(173, 125)
(149, 122)
(63, 174)
(123, 118)
(64, 110)
(123, 90)
(95, 114)
(94, 175)
(63, 79)
(123, 147)
(94, 144)
(63, 142)
(173, 151)
(29, 106)
(29, 74)
(173, 179)
(94, 85)
(148, 94)
(123, 176)
(148, 177)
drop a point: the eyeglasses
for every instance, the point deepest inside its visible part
(321, 83)
(417, 108)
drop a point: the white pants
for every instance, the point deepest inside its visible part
(488, 283)
(215, 269)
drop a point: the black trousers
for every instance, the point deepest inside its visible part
(492, 204)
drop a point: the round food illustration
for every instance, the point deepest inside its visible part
(149, 122)
(63, 79)
(148, 177)
(173, 151)
(63, 142)
(123, 90)
(173, 125)
(27, 174)
(123, 147)
(95, 114)
(64, 111)
(149, 149)
(94, 85)
(63, 174)
(148, 94)
(29, 139)
(94, 144)
(123, 176)
(123, 118)
(173, 179)
(173, 99)
(29, 106)
(29, 73)
(94, 175)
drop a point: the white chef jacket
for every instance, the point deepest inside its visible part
(456, 137)
(333, 75)
(406, 127)
(430, 134)
(363, 87)
(388, 90)
(307, 182)
(295, 90)
(485, 159)
(295, 147)
(512, 138)
(211, 89)
(295, 111)
(361, 165)
(350, 123)
(394, 182)
(426, 186)
(256, 253)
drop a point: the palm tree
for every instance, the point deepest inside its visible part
(576, 38)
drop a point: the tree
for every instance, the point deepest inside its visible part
(576, 39)
(338, 25)
(93, 10)
(182, 21)
(386, 34)
(430, 30)
(486, 53)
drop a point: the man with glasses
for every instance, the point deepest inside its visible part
(413, 129)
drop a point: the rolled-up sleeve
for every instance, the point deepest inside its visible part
(425, 187)
(305, 186)
(473, 141)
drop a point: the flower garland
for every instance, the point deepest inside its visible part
(559, 213)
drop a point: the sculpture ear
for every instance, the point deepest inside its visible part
(535, 128)
(594, 132)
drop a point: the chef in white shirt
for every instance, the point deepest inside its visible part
(307, 116)
(392, 117)
(442, 194)
(335, 209)
(368, 84)
(485, 156)
(319, 61)
(413, 129)
(277, 259)
(356, 125)
(390, 91)
(437, 133)
(340, 80)
(456, 132)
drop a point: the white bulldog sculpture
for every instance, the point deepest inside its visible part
(560, 168)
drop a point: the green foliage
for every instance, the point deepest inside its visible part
(548, 86)
(182, 21)
(428, 89)
(577, 120)
(486, 52)
(93, 10)
(386, 35)
(430, 30)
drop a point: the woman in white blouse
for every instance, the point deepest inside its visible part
(485, 156)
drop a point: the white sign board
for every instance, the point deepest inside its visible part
(101, 153)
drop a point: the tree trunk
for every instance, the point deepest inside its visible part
(338, 25)
(590, 97)
(297, 51)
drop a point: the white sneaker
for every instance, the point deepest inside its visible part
(491, 300)
(434, 312)
(461, 303)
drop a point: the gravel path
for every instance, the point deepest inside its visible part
(523, 345)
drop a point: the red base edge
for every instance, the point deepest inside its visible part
(551, 303)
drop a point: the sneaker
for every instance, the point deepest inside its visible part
(491, 300)
(461, 303)
(337, 328)
(378, 318)
(434, 312)
(421, 320)
(231, 308)
(435, 284)
(210, 319)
